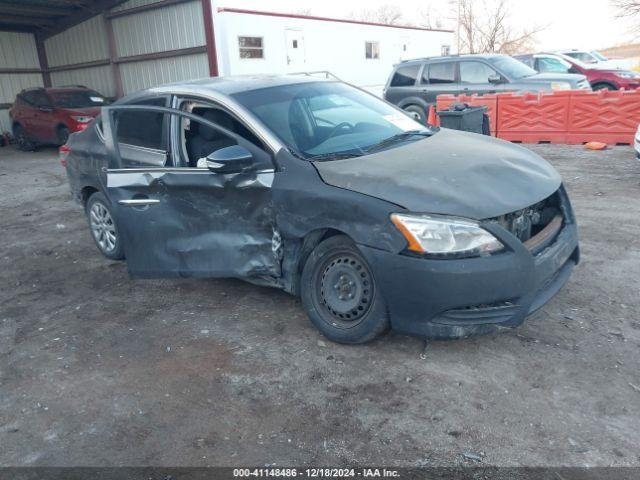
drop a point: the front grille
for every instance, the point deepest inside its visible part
(535, 225)
(479, 314)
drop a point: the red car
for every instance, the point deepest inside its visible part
(599, 78)
(49, 115)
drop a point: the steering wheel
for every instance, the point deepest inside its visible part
(338, 127)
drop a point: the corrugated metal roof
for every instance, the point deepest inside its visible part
(18, 50)
(151, 73)
(133, 4)
(11, 84)
(85, 42)
(170, 28)
(97, 78)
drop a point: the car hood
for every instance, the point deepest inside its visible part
(88, 111)
(450, 173)
(554, 77)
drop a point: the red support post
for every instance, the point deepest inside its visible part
(212, 55)
(113, 57)
(42, 60)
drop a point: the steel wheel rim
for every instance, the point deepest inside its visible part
(102, 227)
(346, 290)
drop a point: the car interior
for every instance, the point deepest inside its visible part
(199, 141)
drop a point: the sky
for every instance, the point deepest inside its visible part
(582, 24)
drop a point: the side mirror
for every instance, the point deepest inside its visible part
(234, 159)
(495, 78)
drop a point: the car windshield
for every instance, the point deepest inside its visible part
(77, 99)
(599, 56)
(330, 120)
(511, 67)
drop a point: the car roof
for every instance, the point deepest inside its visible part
(236, 83)
(466, 56)
(70, 88)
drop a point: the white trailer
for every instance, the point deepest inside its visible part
(119, 46)
(361, 53)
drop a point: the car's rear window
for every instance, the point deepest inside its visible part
(79, 99)
(405, 76)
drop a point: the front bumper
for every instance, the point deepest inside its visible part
(458, 298)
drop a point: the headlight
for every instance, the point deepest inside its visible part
(82, 119)
(627, 75)
(442, 236)
(560, 86)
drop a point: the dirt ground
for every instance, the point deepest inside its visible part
(98, 369)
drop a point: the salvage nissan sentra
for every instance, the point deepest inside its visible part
(325, 191)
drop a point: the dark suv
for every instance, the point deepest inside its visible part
(415, 84)
(49, 115)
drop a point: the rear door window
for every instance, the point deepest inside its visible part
(475, 72)
(443, 72)
(405, 76)
(142, 135)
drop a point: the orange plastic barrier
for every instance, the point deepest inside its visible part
(610, 117)
(568, 116)
(490, 101)
(534, 117)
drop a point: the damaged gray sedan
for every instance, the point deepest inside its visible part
(327, 192)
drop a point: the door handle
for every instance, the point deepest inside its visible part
(138, 202)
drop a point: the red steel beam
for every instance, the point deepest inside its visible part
(144, 8)
(42, 59)
(113, 56)
(212, 55)
(158, 55)
(20, 70)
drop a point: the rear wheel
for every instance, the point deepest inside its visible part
(22, 140)
(103, 227)
(419, 113)
(63, 134)
(340, 294)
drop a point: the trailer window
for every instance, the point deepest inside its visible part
(251, 47)
(372, 50)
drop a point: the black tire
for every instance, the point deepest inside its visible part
(22, 140)
(340, 294)
(417, 110)
(104, 230)
(63, 134)
(603, 86)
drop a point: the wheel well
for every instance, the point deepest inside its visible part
(62, 125)
(308, 244)
(416, 102)
(86, 192)
(603, 84)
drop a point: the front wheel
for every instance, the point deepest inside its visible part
(340, 294)
(23, 141)
(418, 112)
(103, 227)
